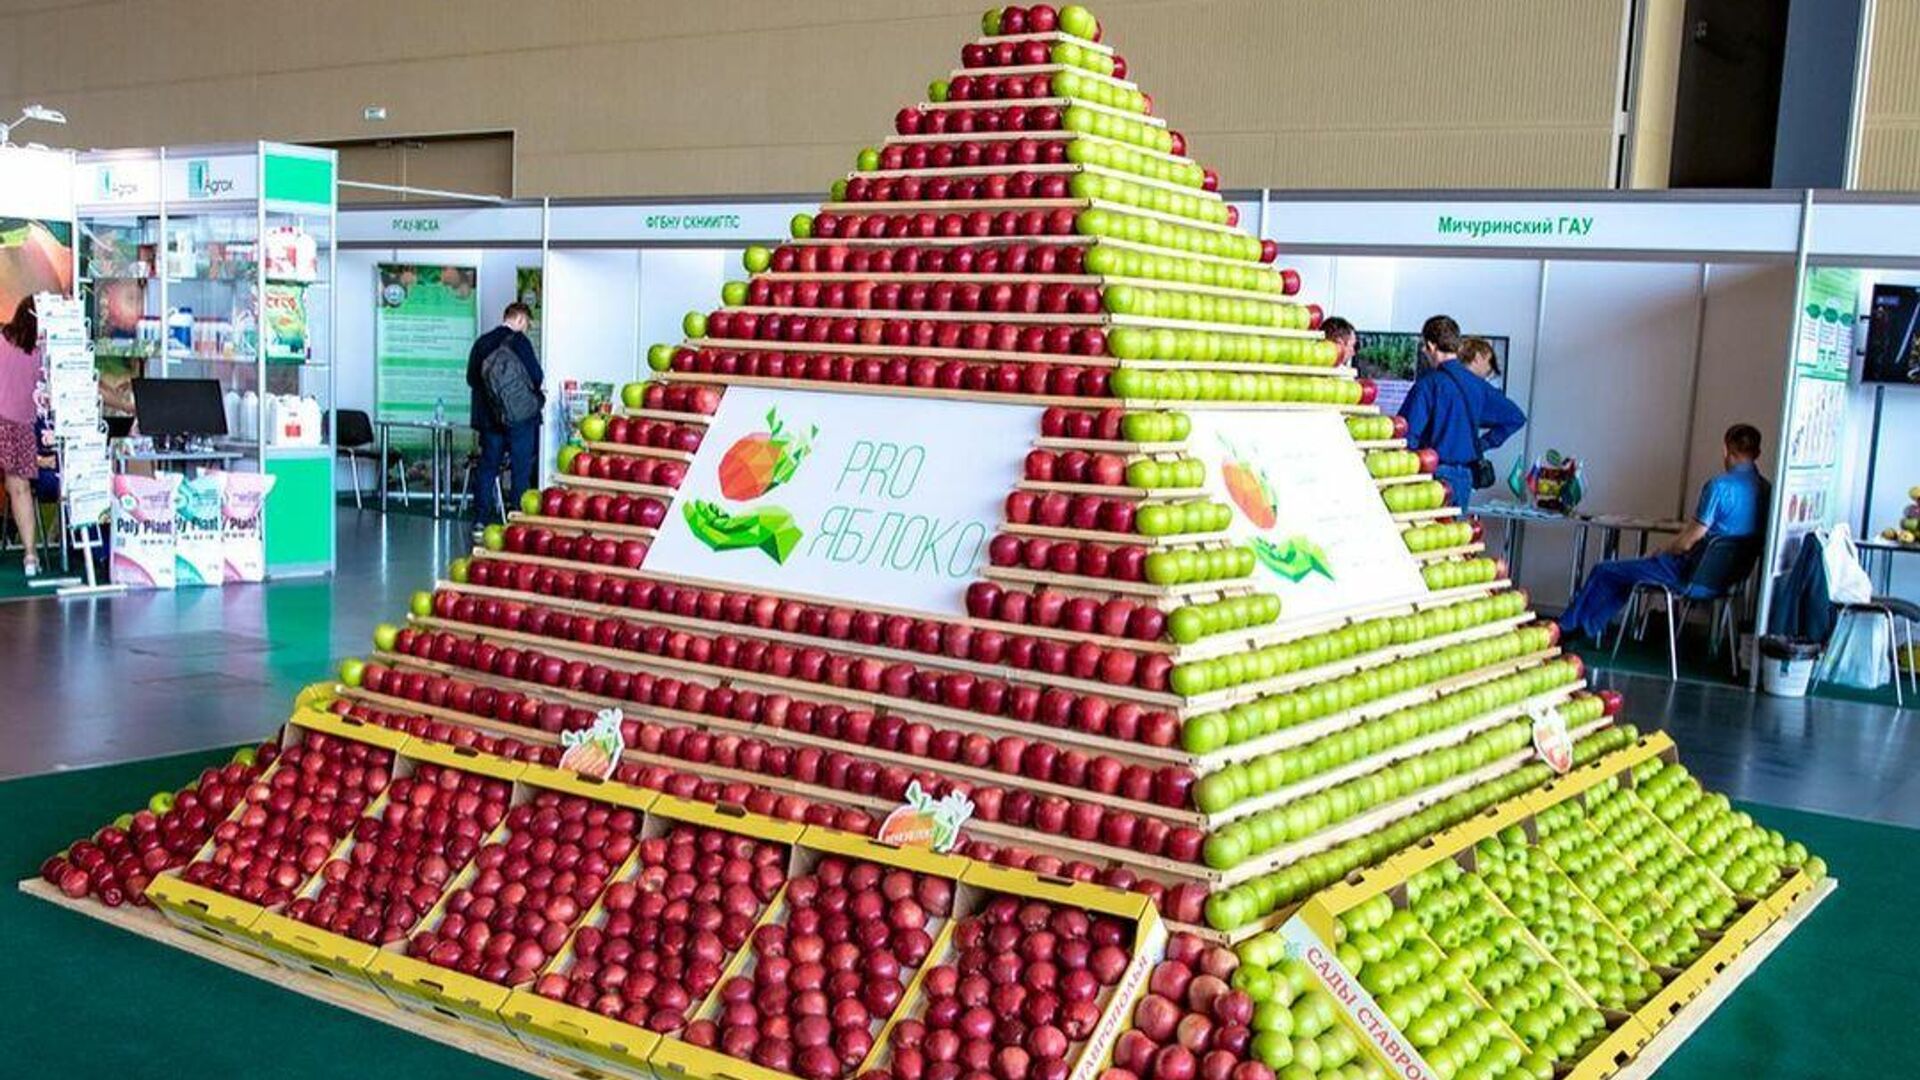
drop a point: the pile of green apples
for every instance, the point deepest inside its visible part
(1297, 1030)
(1152, 197)
(1253, 836)
(1407, 498)
(1427, 998)
(1208, 346)
(1677, 873)
(1186, 567)
(1660, 928)
(1108, 260)
(1531, 994)
(1376, 428)
(1072, 84)
(1155, 426)
(1189, 623)
(1253, 719)
(1438, 536)
(1750, 859)
(1238, 386)
(1199, 307)
(1252, 900)
(1275, 712)
(1569, 927)
(1185, 472)
(1074, 55)
(1082, 120)
(1459, 573)
(1182, 518)
(1387, 464)
(1193, 239)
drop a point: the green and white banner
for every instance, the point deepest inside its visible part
(427, 319)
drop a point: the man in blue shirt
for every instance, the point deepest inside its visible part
(519, 444)
(1735, 503)
(1454, 410)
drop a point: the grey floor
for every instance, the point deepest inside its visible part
(92, 682)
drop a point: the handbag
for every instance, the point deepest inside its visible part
(1479, 468)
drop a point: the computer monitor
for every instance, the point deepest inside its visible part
(179, 408)
(1893, 336)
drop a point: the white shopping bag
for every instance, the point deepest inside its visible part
(1847, 580)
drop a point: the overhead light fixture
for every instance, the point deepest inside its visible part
(27, 115)
(374, 112)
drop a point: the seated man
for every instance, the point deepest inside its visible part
(1735, 503)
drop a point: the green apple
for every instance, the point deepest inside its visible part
(990, 22)
(936, 92)
(694, 325)
(422, 603)
(494, 537)
(801, 226)
(530, 501)
(593, 427)
(567, 454)
(733, 293)
(457, 570)
(161, 802)
(634, 395)
(756, 259)
(351, 670)
(384, 636)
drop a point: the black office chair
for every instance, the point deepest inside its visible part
(1718, 579)
(354, 440)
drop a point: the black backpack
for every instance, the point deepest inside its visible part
(510, 393)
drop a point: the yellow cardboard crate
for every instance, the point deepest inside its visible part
(212, 915)
(441, 994)
(602, 1046)
(1615, 1052)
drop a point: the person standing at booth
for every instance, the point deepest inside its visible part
(507, 405)
(1344, 338)
(19, 450)
(1454, 411)
(1733, 504)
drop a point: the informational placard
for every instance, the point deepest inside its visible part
(846, 496)
(1363, 1012)
(1822, 361)
(1302, 500)
(426, 322)
(71, 409)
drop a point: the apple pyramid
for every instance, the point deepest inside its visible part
(1159, 674)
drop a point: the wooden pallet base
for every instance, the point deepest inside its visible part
(149, 924)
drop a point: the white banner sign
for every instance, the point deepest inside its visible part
(1303, 501)
(852, 497)
(1771, 227)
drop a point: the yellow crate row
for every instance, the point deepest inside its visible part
(585, 1041)
(1628, 1034)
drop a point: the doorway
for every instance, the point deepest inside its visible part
(477, 164)
(1727, 107)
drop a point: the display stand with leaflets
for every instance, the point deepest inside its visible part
(79, 436)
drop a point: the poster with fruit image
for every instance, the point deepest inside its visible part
(861, 499)
(1303, 503)
(35, 257)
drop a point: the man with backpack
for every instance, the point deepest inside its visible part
(507, 404)
(1453, 410)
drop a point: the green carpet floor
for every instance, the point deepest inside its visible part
(86, 1000)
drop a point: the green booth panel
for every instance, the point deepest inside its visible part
(300, 511)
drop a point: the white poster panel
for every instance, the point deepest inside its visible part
(1323, 540)
(845, 496)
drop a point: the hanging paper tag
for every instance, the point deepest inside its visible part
(1551, 741)
(595, 750)
(926, 822)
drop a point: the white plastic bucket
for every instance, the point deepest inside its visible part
(1785, 678)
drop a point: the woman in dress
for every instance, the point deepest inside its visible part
(19, 375)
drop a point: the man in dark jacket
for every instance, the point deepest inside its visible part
(519, 444)
(1454, 411)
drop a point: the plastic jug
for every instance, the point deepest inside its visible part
(309, 421)
(231, 402)
(249, 416)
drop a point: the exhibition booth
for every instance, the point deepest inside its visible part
(186, 389)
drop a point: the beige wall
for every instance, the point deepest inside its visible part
(668, 96)
(1890, 121)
